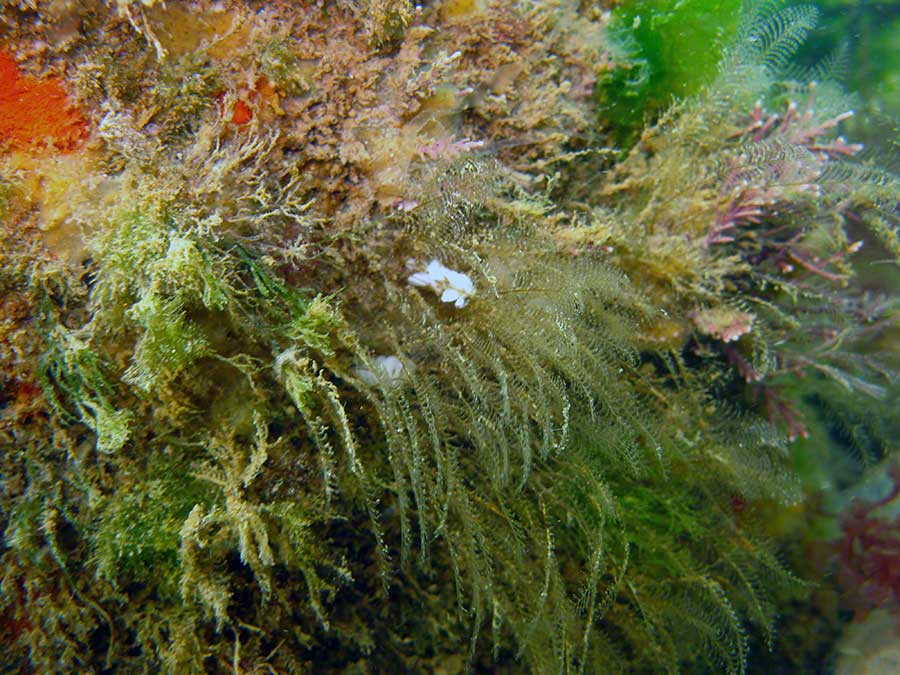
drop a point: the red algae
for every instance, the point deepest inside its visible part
(35, 115)
(242, 114)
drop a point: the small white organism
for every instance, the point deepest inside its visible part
(385, 369)
(451, 285)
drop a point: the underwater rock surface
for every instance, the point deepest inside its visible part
(378, 337)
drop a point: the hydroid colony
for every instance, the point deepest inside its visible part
(348, 341)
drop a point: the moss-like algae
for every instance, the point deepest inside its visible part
(237, 438)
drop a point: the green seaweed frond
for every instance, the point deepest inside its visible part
(79, 385)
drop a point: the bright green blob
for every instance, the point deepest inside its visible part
(672, 49)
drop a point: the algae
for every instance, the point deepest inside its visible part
(243, 431)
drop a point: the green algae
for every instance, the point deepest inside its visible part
(672, 50)
(243, 440)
